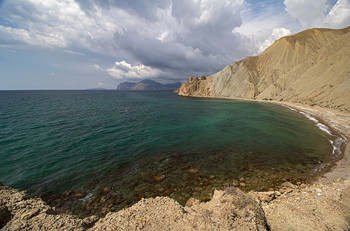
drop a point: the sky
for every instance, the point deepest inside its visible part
(80, 44)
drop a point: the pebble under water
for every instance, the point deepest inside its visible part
(91, 152)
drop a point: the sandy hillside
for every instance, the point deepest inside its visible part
(311, 67)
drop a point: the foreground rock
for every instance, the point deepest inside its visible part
(305, 207)
(228, 210)
(18, 212)
(308, 207)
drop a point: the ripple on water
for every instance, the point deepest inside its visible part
(90, 152)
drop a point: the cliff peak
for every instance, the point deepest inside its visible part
(311, 67)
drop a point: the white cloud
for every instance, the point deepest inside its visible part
(310, 13)
(217, 13)
(123, 69)
(31, 37)
(53, 23)
(314, 13)
(262, 24)
(276, 34)
(74, 52)
(265, 25)
(339, 16)
(162, 36)
(97, 67)
(100, 84)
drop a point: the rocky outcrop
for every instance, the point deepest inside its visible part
(227, 210)
(195, 87)
(311, 67)
(19, 212)
(308, 207)
(303, 207)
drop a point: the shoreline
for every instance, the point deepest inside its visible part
(338, 122)
(316, 205)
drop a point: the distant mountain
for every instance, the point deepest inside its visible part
(147, 85)
(97, 88)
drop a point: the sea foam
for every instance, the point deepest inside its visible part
(336, 142)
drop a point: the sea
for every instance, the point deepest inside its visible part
(94, 151)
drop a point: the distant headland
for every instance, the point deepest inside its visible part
(147, 85)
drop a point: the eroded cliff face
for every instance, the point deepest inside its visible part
(311, 67)
(196, 87)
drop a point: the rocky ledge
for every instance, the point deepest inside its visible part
(303, 207)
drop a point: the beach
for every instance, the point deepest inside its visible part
(324, 202)
(338, 121)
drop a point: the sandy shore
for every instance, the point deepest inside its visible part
(339, 122)
(323, 204)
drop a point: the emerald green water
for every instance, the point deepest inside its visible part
(123, 146)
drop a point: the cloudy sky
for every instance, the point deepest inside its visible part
(79, 44)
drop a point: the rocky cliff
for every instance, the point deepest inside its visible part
(311, 67)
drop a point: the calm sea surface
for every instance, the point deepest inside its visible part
(143, 144)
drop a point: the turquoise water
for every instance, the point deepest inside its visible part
(143, 144)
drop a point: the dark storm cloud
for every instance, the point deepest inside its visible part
(169, 36)
(195, 36)
(205, 56)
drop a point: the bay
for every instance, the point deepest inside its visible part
(145, 144)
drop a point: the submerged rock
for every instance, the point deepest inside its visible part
(242, 184)
(159, 178)
(193, 170)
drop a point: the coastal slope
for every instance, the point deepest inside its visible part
(311, 67)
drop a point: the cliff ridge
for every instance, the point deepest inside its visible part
(311, 67)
